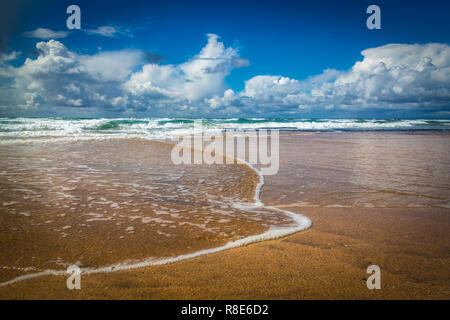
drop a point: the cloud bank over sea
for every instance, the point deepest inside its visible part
(412, 79)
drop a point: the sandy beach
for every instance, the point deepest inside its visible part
(391, 213)
(328, 261)
(238, 150)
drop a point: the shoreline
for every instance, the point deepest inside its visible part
(410, 244)
(303, 223)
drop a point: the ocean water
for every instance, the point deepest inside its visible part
(32, 129)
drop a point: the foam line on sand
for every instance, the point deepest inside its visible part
(302, 223)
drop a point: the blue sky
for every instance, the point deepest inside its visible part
(273, 57)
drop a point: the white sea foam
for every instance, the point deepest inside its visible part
(38, 130)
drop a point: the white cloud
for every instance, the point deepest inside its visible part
(112, 65)
(199, 78)
(5, 57)
(109, 31)
(59, 77)
(395, 76)
(392, 77)
(104, 31)
(112, 81)
(44, 33)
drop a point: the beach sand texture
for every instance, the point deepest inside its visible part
(373, 198)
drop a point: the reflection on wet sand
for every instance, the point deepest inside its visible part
(384, 170)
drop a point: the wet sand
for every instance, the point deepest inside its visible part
(410, 243)
(327, 261)
(115, 204)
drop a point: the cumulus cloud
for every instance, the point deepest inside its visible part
(408, 78)
(44, 33)
(59, 77)
(119, 81)
(112, 65)
(394, 76)
(189, 83)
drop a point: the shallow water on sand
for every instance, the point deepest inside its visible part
(362, 169)
(97, 203)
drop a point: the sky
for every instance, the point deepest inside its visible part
(264, 59)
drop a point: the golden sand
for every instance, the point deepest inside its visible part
(410, 242)
(328, 261)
